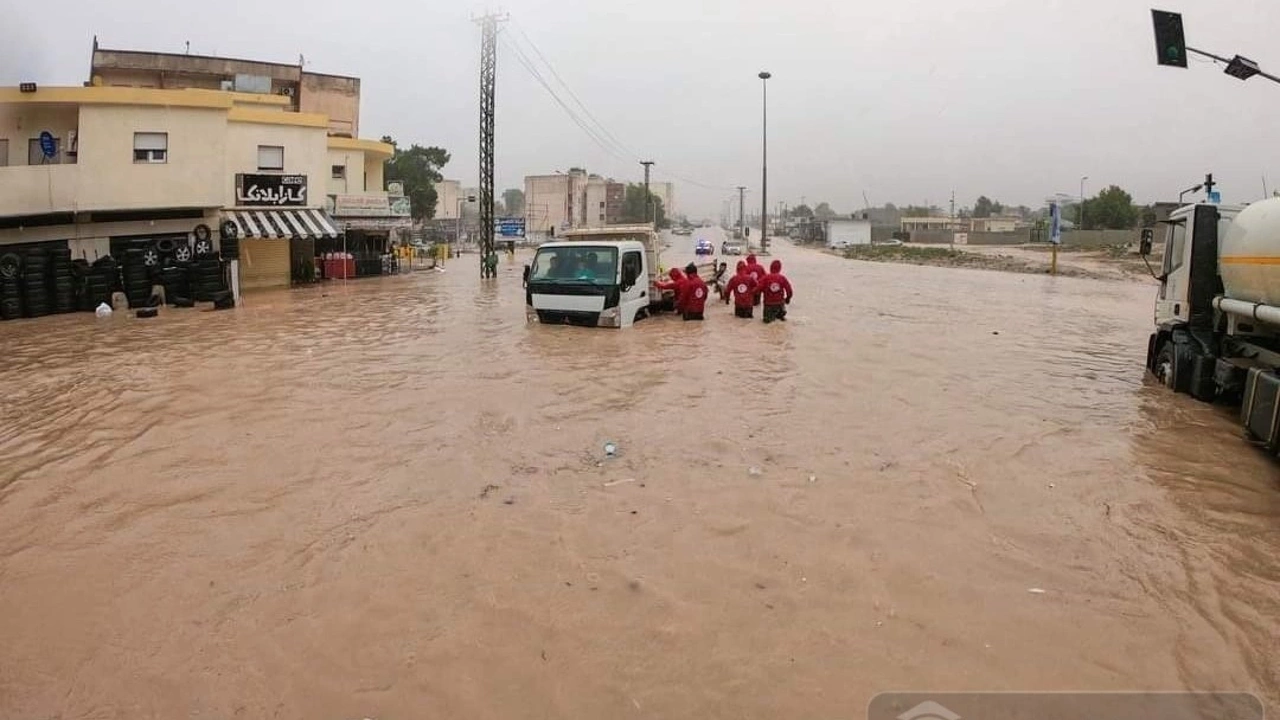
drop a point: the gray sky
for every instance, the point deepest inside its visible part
(903, 100)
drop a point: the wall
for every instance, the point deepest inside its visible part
(353, 161)
(335, 96)
(596, 202)
(374, 169)
(110, 180)
(22, 122)
(1101, 238)
(305, 153)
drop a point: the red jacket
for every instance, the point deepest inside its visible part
(743, 289)
(676, 284)
(693, 295)
(775, 287)
(757, 271)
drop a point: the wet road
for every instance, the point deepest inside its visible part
(388, 499)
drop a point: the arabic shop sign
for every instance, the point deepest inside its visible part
(253, 189)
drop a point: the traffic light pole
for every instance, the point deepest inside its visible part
(1242, 68)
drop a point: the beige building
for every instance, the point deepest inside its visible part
(448, 199)
(935, 223)
(133, 166)
(666, 192)
(576, 199)
(337, 97)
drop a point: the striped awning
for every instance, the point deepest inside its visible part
(290, 223)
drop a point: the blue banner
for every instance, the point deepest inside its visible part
(1055, 223)
(509, 227)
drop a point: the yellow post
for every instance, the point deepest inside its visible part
(1053, 262)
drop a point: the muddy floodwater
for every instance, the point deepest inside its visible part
(390, 499)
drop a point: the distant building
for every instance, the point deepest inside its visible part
(561, 201)
(666, 192)
(448, 198)
(994, 224)
(910, 224)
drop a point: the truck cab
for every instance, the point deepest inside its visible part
(598, 277)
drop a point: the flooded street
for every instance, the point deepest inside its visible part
(389, 499)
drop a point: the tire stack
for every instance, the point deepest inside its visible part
(62, 281)
(35, 282)
(206, 278)
(176, 280)
(103, 279)
(10, 286)
(137, 277)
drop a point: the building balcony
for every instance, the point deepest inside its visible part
(27, 190)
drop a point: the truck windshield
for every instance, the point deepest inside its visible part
(587, 263)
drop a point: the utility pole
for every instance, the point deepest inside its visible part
(648, 199)
(764, 162)
(742, 208)
(488, 77)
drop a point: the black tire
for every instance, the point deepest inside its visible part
(1173, 366)
(10, 266)
(203, 248)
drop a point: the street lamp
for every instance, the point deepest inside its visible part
(764, 162)
(1188, 190)
(1080, 215)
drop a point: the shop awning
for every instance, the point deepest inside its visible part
(299, 223)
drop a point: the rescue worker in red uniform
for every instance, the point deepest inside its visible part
(693, 297)
(757, 272)
(676, 284)
(743, 289)
(776, 291)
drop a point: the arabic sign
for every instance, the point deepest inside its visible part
(400, 206)
(361, 206)
(270, 190)
(509, 227)
(1055, 223)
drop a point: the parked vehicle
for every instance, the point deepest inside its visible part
(733, 248)
(1217, 313)
(704, 247)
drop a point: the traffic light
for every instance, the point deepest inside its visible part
(1171, 46)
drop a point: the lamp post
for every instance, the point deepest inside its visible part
(1188, 190)
(1080, 215)
(764, 162)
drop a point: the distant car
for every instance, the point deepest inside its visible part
(704, 248)
(892, 242)
(733, 249)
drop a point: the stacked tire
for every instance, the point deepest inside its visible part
(62, 281)
(230, 242)
(137, 276)
(35, 282)
(206, 278)
(102, 280)
(10, 286)
(176, 280)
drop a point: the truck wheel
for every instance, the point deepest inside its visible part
(1174, 366)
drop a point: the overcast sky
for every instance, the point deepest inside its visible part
(904, 100)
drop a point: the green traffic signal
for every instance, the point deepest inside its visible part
(1171, 46)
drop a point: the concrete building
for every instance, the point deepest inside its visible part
(666, 192)
(910, 224)
(134, 166)
(337, 97)
(448, 198)
(576, 199)
(994, 224)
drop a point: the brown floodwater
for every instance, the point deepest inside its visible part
(389, 499)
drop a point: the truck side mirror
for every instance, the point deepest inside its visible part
(1144, 247)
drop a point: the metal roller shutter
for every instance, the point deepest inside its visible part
(264, 263)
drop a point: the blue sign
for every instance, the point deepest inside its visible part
(47, 144)
(1215, 197)
(1055, 223)
(509, 227)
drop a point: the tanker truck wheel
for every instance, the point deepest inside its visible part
(1174, 365)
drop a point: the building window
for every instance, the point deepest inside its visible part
(4, 152)
(271, 157)
(339, 172)
(601, 204)
(35, 156)
(150, 147)
(601, 217)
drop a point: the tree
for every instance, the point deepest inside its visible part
(634, 210)
(986, 207)
(513, 199)
(800, 211)
(915, 211)
(1111, 209)
(419, 169)
(823, 212)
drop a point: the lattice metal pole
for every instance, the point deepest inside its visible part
(488, 76)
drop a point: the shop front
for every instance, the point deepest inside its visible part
(278, 233)
(373, 224)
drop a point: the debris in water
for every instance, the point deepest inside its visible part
(813, 478)
(103, 310)
(610, 449)
(611, 483)
(488, 489)
(509, 501)
(1036, 591)
(753, 470)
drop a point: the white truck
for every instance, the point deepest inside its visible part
(598, 277)
(1217, 313)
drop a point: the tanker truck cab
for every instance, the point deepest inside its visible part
(1217, 312)
(597, 283)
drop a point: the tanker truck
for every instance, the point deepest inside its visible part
(1217, 314)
